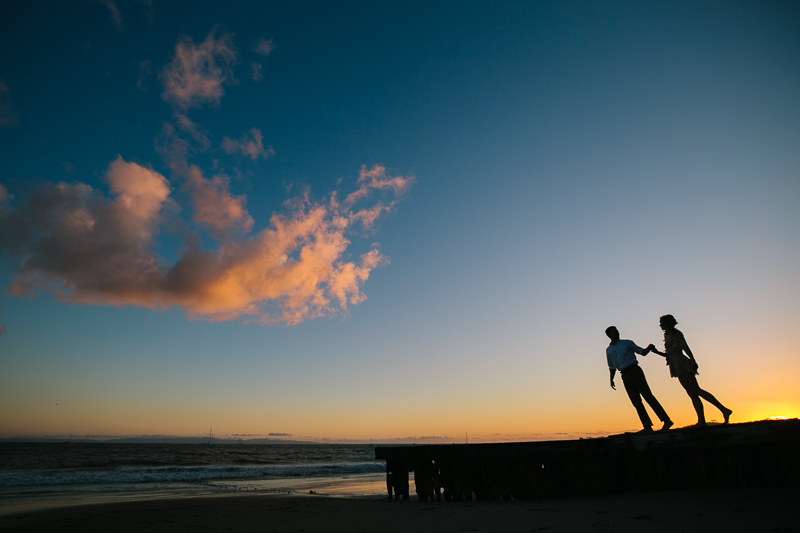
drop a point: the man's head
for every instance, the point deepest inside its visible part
(612, 333)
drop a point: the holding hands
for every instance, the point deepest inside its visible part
(652, 348)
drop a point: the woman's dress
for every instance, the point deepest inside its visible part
(679, 364)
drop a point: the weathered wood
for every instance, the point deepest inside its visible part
(752, 454)
(397, 478)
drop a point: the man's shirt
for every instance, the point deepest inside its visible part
(622, 354)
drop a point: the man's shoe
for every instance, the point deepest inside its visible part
(668, 424)
(648, 429)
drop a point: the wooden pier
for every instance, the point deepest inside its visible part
(752, 454)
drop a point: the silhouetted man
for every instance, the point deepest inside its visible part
(621, 354)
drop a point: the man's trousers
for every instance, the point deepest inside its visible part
(637, 388)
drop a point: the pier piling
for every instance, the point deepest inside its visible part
(753, 454)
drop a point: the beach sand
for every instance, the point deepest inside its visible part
(700, 510)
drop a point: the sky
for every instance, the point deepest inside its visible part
(364, 221)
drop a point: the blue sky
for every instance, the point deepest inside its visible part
(569, 166)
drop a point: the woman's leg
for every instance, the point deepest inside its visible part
(689, 383)
(707, 396)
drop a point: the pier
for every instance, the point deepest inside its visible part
(752, 454)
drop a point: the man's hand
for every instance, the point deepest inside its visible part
(612, 385)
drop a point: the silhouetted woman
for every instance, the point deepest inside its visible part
(685, 369)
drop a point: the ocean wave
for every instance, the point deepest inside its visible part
(183, 473)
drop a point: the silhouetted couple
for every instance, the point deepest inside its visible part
(621, 355)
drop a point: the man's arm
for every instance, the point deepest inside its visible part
(641, 351)
(611, 368)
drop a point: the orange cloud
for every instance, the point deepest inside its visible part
(250, 146)
(214, 206)
(197, 72)
(368, 216)
(84, 247)
(347, 279)
(140, 196)
(376, 178)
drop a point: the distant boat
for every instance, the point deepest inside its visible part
(210, 437)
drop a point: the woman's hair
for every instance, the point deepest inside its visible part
(669, 319)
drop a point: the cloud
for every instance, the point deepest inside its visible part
(368, 216)
(194, 130)
(248, 145)
(8, 113)
(197, 72)
(113, 10)
(255, 71)
(264, 47)
(88, 247)
(376, 179)
(174, 148)
(85, 248)
(279, 435)
(214, 206)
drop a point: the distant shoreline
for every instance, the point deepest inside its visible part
(400, 441)
(161, 440)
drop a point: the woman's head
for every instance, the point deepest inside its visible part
(667, 322)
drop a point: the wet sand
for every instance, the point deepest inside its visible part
(700, 510)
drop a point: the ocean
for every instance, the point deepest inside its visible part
(41, 475)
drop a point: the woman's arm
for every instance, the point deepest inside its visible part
(686, 349)
(653, 349)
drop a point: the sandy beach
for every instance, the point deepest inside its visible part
(702, 510)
